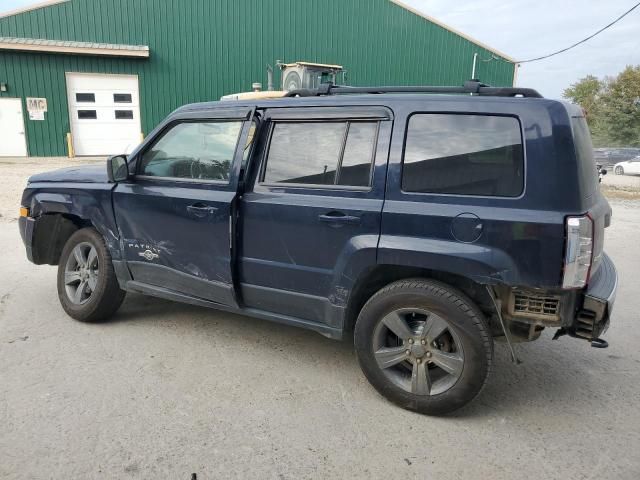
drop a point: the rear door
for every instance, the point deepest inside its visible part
(310, 218)
(174, 217)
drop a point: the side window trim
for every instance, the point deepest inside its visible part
(248, 151)
(321, 186)
(182, 179)
(343, 146)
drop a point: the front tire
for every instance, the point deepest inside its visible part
(424, 345)
(87, 286)
(619, 171)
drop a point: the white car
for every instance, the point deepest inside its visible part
(629, 166)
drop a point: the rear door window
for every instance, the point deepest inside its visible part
(463, 155)
(321, 153)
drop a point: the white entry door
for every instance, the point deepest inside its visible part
(13, 142)
(104, 112)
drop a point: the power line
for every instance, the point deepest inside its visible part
(583, 40)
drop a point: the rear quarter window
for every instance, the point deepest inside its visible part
(463, 155)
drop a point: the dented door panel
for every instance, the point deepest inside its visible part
(167, 245)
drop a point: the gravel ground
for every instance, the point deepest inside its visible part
(621, 186)
(166, 390)
(14, 173)
(621, 181)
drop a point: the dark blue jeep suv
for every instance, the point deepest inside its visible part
(424, 221)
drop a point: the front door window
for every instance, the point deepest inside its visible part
(194, 151)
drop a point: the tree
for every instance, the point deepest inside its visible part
(621, 108)
(611, 105)
(587, 92)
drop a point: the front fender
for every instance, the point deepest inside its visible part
(87, 203)
(479, 263)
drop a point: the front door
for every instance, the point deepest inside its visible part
(310, 217)
(13, 142)
(174, 216)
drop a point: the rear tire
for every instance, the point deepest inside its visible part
(424, 345)
(87, 285)
(619, 171)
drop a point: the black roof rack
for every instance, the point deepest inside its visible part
(471, 86)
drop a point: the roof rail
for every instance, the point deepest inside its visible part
(471, 86)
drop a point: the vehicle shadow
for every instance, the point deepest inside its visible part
(551, 372)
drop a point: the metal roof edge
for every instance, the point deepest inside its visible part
(399, 3)
(28, 8)
(73, 47)
(429, 18)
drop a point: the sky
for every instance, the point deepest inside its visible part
(531, 28)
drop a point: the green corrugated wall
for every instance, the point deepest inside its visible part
(202, 49)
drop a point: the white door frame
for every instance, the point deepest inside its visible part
(24, 130)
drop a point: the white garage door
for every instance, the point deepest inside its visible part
(104, 112)
(12, 140)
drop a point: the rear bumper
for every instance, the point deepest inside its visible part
(597, 303)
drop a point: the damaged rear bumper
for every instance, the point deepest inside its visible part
(593, 318)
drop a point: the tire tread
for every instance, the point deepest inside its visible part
(112, 296)
(452, 296)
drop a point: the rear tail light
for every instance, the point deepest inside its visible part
(579, 252)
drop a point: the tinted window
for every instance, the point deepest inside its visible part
(358, 154)
(122, 98)
(87, 114)
(463, 154)
(202, 150)
(304, 153)
(315, 153)
(124, 114)
(85, 97)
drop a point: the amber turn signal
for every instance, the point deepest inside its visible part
(24, 211)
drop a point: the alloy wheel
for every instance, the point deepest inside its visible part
(418, 350)
(81, 273)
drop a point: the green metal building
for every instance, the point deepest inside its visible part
(107, 71)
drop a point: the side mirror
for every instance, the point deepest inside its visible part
(117, 168)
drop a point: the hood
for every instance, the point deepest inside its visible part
(80, 174)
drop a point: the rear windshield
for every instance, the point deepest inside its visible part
(463, 154)
(587, 172)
